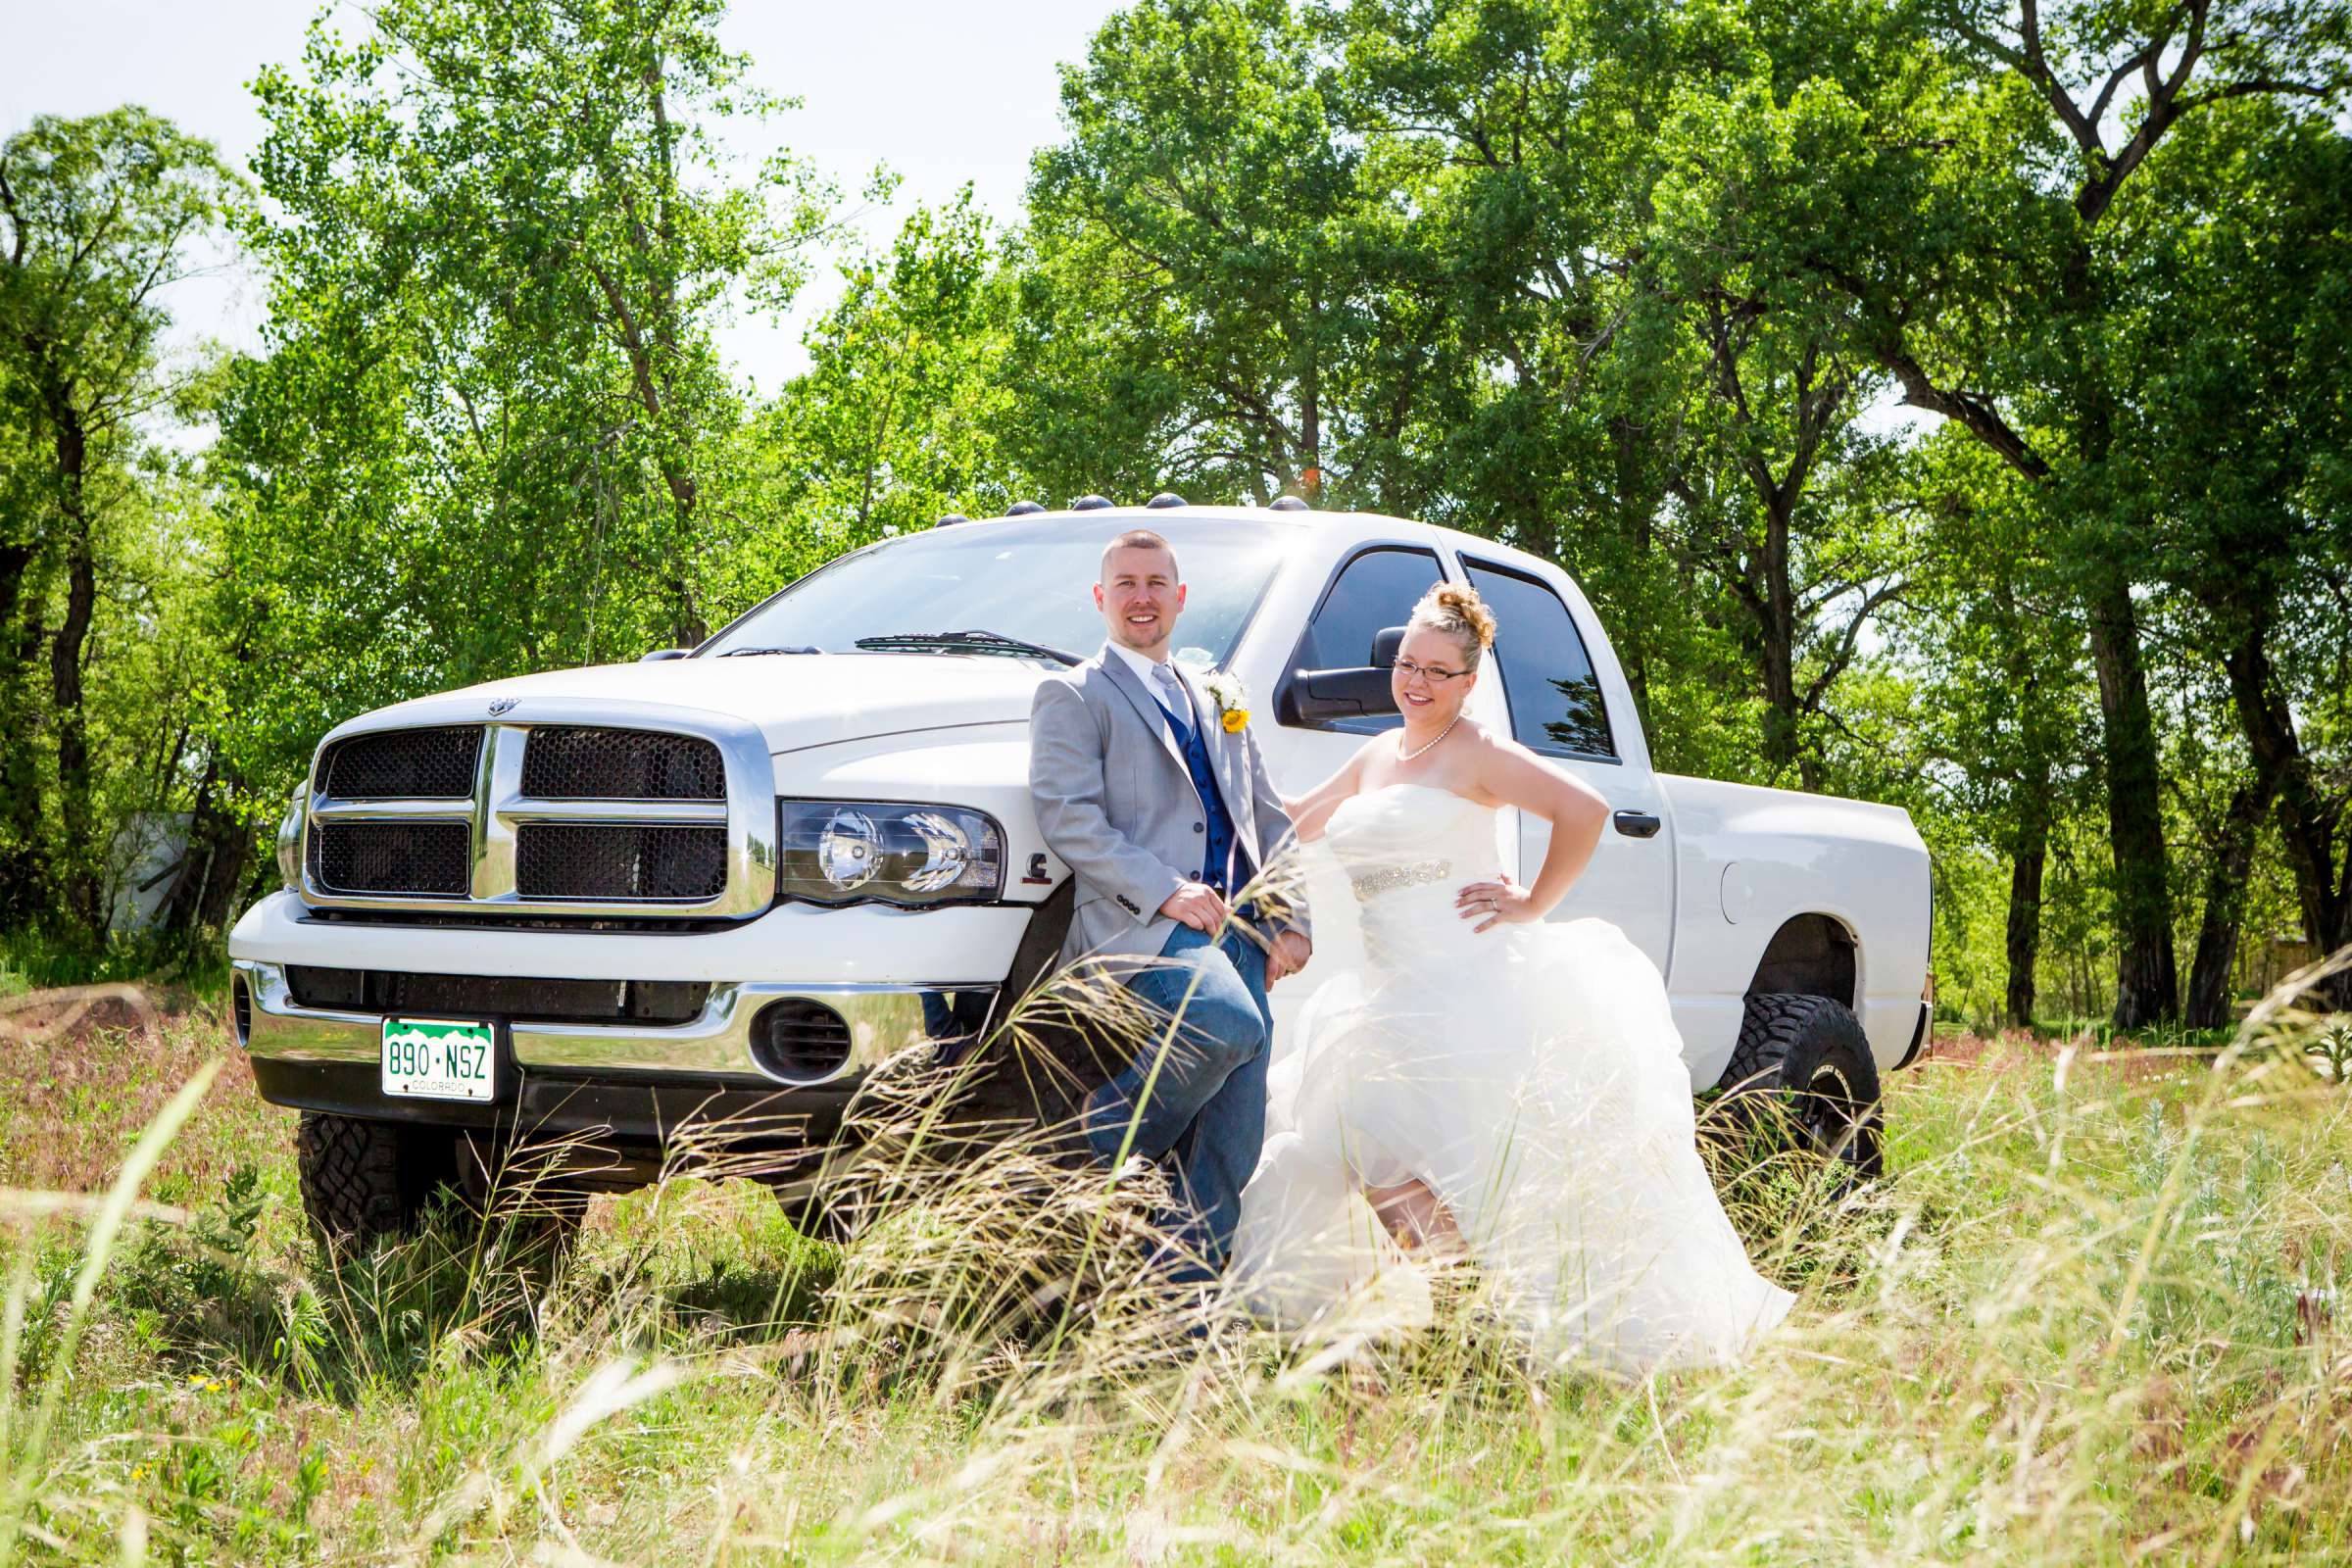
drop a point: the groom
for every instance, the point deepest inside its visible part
(1165, 815)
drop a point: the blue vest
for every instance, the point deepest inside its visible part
(1220, 861)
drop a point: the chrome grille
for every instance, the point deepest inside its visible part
(579, 763)
(416, 764)
(424, 859)
(619, 861)
(556, 807)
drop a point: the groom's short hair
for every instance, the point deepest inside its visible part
(1141, 539)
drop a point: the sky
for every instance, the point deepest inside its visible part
(943, 92)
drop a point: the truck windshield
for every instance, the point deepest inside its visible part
(1029, 578)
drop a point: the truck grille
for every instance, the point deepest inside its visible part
(619, 861)
(661, 1003)
(576, 762)
(588, 814)
(415, 765)
(430, 859)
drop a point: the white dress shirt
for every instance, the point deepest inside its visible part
(1171, 696)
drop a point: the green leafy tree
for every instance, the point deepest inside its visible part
(511, 230)
(1514, 130)
(904, 412)
(1974, 227)
(1224, 292)
(98, 217)
(2004, 693)
(2240, 413)
(1605, 187)
(492, 430)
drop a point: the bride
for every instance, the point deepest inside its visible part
(1488, 1084)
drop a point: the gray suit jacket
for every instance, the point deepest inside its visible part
(1116, 803)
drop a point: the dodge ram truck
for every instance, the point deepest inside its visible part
(714, 888)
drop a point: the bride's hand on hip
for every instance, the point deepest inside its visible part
(1492, 904)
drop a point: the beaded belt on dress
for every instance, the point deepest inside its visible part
(1389, 878)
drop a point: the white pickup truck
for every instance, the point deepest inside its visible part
(718, 886)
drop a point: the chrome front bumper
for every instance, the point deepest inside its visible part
(884, 1019)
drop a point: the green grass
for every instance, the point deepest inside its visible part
(2095, 1314)
(32, 959)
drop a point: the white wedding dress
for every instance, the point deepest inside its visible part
(1532, 1078)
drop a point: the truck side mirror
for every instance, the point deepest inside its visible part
(1318, 696)
(660, 654)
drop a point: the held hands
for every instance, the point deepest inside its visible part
(1496, 902)
(1203, 908)
(1197, 904)
(1287, 955)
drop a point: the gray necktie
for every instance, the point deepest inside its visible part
(1170, 691)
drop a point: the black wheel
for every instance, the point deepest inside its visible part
(366, 1181)
(1806, 1059)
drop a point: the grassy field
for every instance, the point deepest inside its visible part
(2095, 1314)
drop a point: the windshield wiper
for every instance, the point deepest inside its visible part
(965, 642)
(752, 653)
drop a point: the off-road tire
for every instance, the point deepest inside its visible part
(368, 1182)
(1810, 1055)
(364, 1182)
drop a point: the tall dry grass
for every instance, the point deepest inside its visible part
(2093, 1314)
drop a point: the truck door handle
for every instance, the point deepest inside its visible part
(1637, 824)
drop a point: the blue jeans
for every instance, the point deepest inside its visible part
(1199, 1096)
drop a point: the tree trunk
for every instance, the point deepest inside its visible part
(2026, 868)
(14, 561)
(2207, 1006)
(1310, 421)
(218, 849)
(21, 873)
(76, 873)
(1635, 521)
(2306, 817)
(1777, 631)
(2147, 983)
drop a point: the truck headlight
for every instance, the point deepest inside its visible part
(846, 852)
(289, 840)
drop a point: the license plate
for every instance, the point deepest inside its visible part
(436, 1058)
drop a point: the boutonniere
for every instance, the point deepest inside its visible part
(1233, 701)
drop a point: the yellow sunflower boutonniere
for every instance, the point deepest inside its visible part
(1233, 702)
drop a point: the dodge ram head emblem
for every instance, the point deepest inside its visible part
(503, 705)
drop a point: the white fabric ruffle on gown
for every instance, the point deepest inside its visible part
(1532, 1078)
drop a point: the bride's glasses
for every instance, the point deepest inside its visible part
(1434, 675)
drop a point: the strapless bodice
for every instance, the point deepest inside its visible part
(1389, 837)
(1408, 849)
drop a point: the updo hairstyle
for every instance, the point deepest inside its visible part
(1458, 613)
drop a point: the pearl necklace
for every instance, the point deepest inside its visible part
(1442, 734)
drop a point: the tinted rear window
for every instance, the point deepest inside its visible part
(1556, 702)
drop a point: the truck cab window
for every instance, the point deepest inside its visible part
(1557, 706)
(1374, 590)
